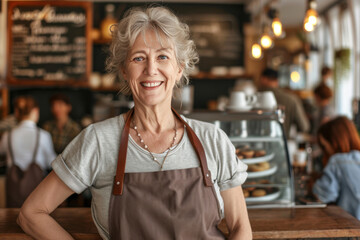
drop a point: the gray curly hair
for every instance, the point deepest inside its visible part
(162, 21)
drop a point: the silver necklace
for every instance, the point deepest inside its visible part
(147, 148)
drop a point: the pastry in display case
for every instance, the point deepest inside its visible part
(259, 140)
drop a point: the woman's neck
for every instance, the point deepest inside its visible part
(154, 120)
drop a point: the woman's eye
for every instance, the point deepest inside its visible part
(163, 57)
(138, 59)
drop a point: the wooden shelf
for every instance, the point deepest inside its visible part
(210, 76)
(101, 41)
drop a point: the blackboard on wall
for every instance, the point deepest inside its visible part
(49, 43)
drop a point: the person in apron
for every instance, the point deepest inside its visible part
(153, 173)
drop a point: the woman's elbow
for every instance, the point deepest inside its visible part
(22, 220)
(26, 217)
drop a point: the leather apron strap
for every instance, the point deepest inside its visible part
(120, 170)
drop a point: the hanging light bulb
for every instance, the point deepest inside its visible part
(276, 27)
(308, 26)
(311, 16)
(256, 51)
(266, 41)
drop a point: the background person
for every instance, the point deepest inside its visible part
(326, 76)
(324, 111)
(175, 178)
(26, 146)
(62, 129)
(294, 111)
(339, 183)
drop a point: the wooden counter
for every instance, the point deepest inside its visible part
(287, 223)
(266, 223)
(77, 221)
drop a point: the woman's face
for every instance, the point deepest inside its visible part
(151, 70)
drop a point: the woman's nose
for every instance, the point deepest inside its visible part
(151, 67)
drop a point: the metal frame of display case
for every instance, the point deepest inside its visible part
(216, 117)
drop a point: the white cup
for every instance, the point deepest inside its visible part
(239, 100)
(266, 100)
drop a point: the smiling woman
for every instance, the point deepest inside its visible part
(156, 20)
(153, 174)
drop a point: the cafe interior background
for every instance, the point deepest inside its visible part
(232, 55)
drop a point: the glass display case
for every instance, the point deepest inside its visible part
(259, 139)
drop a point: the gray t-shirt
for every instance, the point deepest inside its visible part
(90, 161)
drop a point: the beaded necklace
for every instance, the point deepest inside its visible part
(147, 148)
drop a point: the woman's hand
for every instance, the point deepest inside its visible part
(236, 215)
(34, 217)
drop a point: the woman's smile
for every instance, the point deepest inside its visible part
(151, 85)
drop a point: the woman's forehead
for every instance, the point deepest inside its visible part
(151, 38)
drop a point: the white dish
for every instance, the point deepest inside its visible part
(265, 158)
(238, 109)
(266, 198)
(265, 173)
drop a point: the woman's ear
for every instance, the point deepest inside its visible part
(123, 72)
(179, 74)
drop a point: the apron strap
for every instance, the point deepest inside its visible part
(120, 170)
(199, 151)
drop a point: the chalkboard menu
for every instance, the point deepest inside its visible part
(49, 42)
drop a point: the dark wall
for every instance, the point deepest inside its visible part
(205, 90)
(217, 30)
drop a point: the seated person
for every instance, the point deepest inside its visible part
(62, 129)
(340, 142)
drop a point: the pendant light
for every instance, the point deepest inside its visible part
(256, 51)
(266, 41)
(311, 16)
(276, 24)
(276, 27)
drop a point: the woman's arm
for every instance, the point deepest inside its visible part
(34, 217)
(236, 216)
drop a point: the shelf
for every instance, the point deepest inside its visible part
(101, 41)
(210, 76)
(106, 89)
(255, 139)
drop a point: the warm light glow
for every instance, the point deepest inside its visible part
(295, 76)
(256, 51)
(308, 26)
(276, 27)
(312, 16)
(266, 41)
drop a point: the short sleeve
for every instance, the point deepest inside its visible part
(231, 170)
(327, 188)
(78, 165)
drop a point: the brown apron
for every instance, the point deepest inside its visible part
(175, 204)
(19, 184)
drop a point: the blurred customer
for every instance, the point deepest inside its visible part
(29, 152)
(339, 183)
(323, 109)
(326, 76)
(294, 111)
(62, 129)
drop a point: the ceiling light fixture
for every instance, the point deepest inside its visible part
(311, 16)
(276, 27)
(266, 41)
(256, 51)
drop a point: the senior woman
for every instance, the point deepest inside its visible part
(153, 174)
